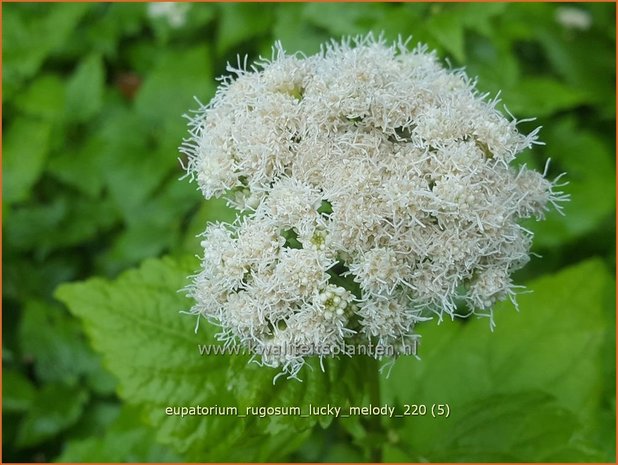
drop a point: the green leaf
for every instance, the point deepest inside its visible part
(294, 32)
(508, 428)
(25, 151)
(55, 408)
(113, 23)
(570, 55)
(55, 342)
(85, 89)
(589, 169)
(155, 227)
(546, 356)
(344, 19)
(541, 96)
(492, 62)
(169, 89)
(19, 280)
(127, 153)
(29, 37)
(30, 226)
(482, 17)
(446, 25)
(74, 166)
(138, 314)
(240, 22)
(406, 20)
(125, 440)
(43, 98)
(97, 418)
(65, 221)
(17, 391)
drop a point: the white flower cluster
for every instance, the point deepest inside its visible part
(173, 12)
(374, 188)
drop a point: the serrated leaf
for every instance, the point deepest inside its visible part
(25, 150)
(551, 346)
(55, 408)
(138, 314)
(84, 91)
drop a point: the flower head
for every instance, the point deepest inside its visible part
(376, 189)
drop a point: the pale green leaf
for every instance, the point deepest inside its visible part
(481, 17)
(493, 63)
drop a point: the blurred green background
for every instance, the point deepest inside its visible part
(92, 101)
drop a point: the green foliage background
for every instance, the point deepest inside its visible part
(92, 101)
